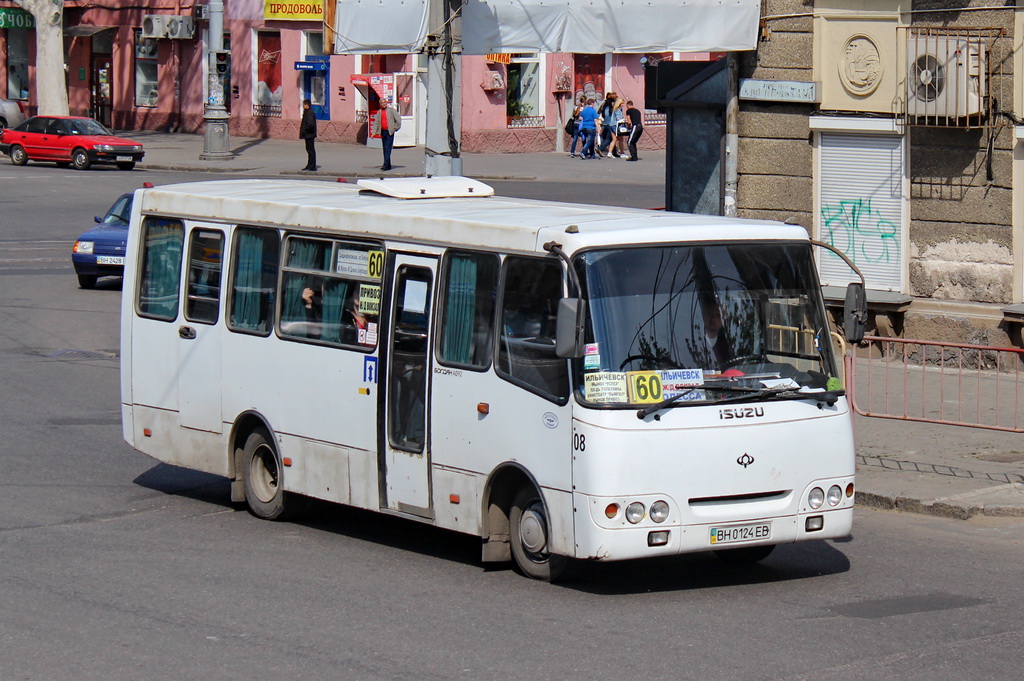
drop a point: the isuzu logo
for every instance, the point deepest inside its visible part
(740, 412)
(745, 460)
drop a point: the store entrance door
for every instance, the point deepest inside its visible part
(101, 104)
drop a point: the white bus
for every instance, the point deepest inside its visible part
(564, 381)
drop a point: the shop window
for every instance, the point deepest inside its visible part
(269, 90)
(146, 61)
(17, 63)
(522, 100)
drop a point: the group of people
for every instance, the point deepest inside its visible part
(606, 130)
(385, 124)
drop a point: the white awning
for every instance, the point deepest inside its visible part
(584, 26)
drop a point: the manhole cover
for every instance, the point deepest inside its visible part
(82, 354)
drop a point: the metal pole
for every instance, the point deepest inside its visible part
(442, 155)
(732, 137)
(216, 140)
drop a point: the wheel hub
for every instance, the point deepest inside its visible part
(533, 530)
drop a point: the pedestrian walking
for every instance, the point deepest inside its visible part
(588, 128)
(572, 128)
(386, 124)
(636, 128)
(307, 132)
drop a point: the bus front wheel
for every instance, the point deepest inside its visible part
(529, 537)
(264, 494)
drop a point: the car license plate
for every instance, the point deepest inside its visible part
(122, 158)
(733, 534)
(109, 259)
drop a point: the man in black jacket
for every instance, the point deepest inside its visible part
(307, 131)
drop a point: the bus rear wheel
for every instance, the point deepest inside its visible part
(264, 494)
(528, 523)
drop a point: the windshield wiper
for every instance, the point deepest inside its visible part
(829, 397)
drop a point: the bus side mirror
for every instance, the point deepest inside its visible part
(855, 312)
(569, 327)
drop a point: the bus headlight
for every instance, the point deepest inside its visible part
(816, 498)
(635, 512)
(835, 495)
(659, 511)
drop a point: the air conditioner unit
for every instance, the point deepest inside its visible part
(181, 28)
(154, 25)
(945, 76)
(200, 12)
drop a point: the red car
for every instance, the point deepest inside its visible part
(68, 141)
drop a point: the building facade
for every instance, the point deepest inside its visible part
(142, 65)
(892, 129)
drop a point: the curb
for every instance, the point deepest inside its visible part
(937, 507)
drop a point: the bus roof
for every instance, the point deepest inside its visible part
(492, 222)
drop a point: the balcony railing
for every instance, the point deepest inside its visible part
(266, 110)
(526, 121)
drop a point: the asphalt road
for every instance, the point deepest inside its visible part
(113, 566)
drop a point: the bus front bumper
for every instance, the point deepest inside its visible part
(647, 539)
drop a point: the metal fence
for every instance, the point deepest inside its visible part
(935, 382)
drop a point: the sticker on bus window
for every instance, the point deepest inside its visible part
(644, 387)
(591, 349)
(591, 362)
(369, 299)
(603, 387)
(371, 333)
(677, 380)
(353, 262)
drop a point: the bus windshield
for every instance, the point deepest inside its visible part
(702, 324)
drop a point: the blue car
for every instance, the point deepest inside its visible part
(99, 252)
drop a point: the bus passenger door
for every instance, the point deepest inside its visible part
(406, 440)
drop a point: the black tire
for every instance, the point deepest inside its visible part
(261, 472)
(87, 280)
(528, 526)
(746, 555)
(3, 124)
(127, 165)
(18, 155)
(80, 159)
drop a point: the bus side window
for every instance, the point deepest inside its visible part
(531, 290)
(467, 323)
(254, 264)
(160, 276)
(205, 251)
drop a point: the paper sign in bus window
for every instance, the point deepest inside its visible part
(605, 387)
(369, 299)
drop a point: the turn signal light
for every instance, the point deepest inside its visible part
(611, 510)
(849, 490)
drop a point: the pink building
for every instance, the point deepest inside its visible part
(143, 67)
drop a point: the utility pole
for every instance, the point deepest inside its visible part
(216, 140)
(442, 155)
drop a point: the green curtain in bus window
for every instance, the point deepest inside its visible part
(161, 268)
(335, 294)
(307, 255)
(457, 340)
(254, 280)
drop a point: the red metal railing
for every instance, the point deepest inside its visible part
(935, 382)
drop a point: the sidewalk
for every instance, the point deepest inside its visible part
(948, 471)
(180, 152)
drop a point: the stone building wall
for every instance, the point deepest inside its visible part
(775, 159)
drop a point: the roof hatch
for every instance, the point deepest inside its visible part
(427, 187)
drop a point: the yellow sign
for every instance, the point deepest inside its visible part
(293, 10)
(644, 386)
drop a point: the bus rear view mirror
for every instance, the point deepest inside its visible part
(569, 331)
(855, 312)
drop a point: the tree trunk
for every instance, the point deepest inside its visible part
(50, 81)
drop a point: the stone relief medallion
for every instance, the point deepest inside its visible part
(860, 65)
